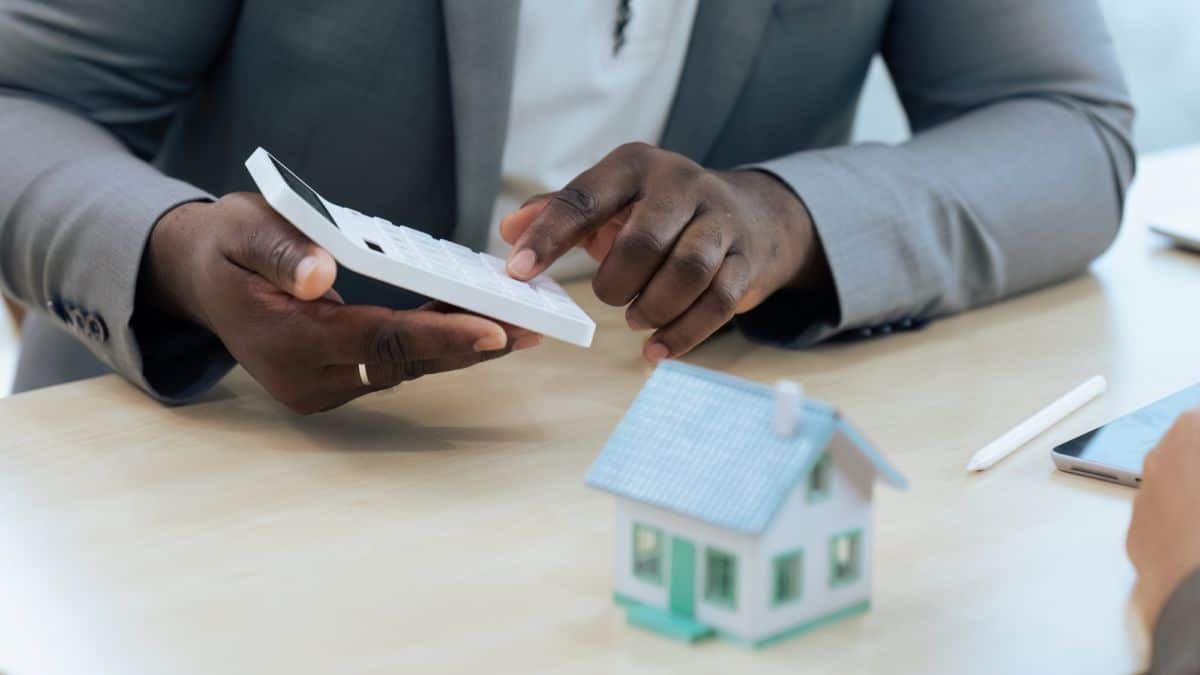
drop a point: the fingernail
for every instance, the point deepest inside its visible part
(489, 343)
(305, 267)
(656, 351)
(526, 342)
(521, 264)
(635, 322)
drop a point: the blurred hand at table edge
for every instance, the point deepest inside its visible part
(1164, 534)
(685, 247)
(239, 270)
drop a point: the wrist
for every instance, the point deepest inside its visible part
(165, 282)
(808, 270)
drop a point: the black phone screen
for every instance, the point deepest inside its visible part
(1125, 441)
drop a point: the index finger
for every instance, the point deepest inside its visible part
(514, 224)
(570, 214)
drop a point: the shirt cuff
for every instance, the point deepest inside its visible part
(179, 359)
(791, 319)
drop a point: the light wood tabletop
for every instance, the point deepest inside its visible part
(444, 527)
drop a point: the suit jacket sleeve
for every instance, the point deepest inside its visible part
(86, 92)
(1176, 649)
(1014, 177)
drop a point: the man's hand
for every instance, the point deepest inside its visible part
(1164, 537)
(238, 269)
(688, 247)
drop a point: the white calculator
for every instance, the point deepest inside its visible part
(413, 260)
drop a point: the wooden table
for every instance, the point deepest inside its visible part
(444, 527)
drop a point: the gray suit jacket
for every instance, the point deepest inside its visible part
(112, 113)
(1176, 648)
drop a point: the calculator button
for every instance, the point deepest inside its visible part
(416, 234)
(456, 248)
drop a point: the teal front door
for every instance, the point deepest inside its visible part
(683, 578)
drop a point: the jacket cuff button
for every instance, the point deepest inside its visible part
(96, 329)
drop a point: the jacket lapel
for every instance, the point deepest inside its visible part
(481, 41)
(725, 39)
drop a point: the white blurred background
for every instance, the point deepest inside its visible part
(1157, 41)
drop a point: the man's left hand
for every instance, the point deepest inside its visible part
(685, 247)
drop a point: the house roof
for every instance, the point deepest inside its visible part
(703, 444)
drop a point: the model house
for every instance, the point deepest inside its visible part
(742, 510)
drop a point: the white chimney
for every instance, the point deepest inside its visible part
(789, 407)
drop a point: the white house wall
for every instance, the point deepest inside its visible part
(737, 622)
(799, 524)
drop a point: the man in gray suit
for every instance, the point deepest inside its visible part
(124, 126)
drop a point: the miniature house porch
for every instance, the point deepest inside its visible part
(732, 528)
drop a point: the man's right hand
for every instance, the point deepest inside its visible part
(240, 270)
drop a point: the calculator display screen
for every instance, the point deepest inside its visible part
(301, 188)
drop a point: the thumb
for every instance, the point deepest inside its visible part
(282, 255)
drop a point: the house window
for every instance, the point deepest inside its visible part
(647, 553)
(820, 479)
(845, 558)
(720, 578)
(788, 574)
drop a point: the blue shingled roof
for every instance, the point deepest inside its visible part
(703, 444)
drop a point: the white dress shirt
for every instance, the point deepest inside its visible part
(574, 101)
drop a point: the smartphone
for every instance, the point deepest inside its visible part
(1115, 452)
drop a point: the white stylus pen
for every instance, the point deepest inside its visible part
(1040, 421)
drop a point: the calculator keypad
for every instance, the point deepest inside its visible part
(485, 272)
